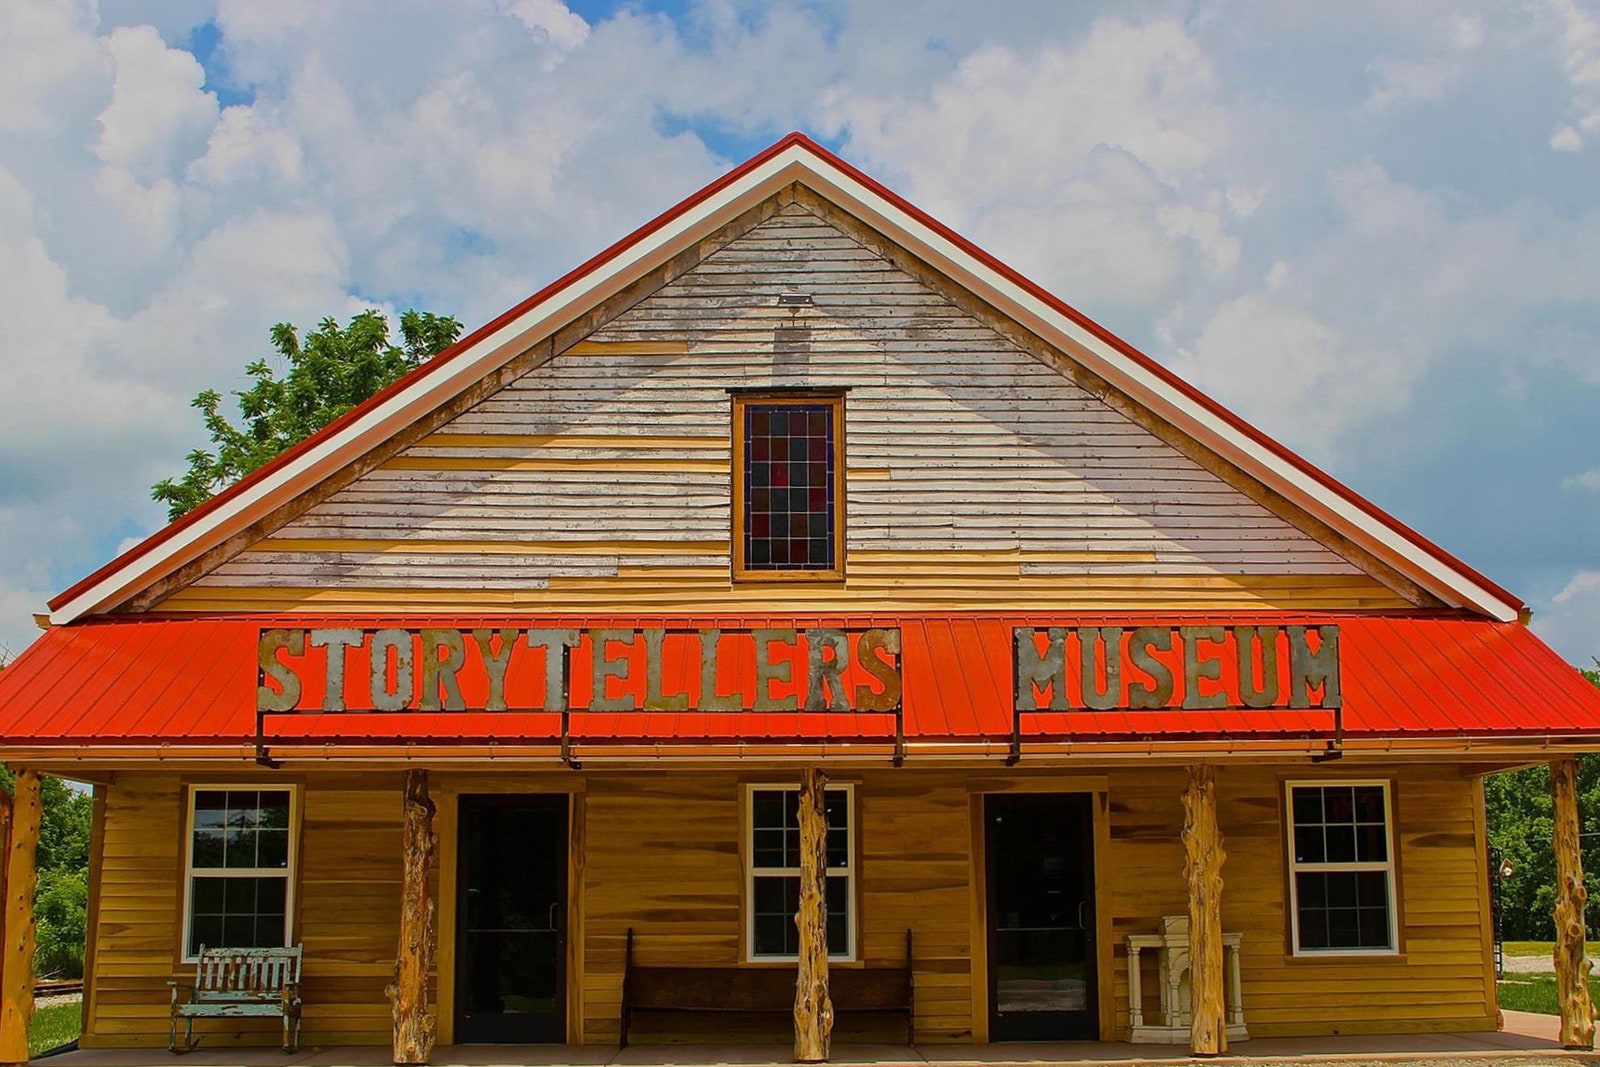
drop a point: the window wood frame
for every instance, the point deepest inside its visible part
(1390, 867)
(833, 399)
(290, 872)
(747, 812)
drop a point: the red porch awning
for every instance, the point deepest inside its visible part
(183, 681)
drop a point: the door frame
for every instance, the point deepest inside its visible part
(446, 824)
(1098, 786)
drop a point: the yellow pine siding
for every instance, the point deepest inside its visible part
(660, 851)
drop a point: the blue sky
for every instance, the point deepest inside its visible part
(1370, 228)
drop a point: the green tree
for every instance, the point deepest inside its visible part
(330, 373)
(60, 902)
(1520, 823)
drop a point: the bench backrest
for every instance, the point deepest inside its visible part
(245, 973)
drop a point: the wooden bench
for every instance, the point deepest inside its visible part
(886, 990)
(232, 983)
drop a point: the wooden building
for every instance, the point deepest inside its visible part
(539, 646)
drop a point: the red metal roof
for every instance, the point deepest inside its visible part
(178, 681)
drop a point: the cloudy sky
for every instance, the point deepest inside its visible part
(1371, 228)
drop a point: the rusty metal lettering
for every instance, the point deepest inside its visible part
(337, 642)
(768, 671)
(287, 693)
(1248, 638)
(494, 666)
(870, 653)
(399, 642)
(1110, 640)
(1143, 641)
(1196, 668)
(1310, 670)
(440, 674)
(603, 667)
(1041, 671)
(555, 643)
(654, 698)
(710, 699)
(826, 671)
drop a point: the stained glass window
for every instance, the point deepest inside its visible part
(790, 466)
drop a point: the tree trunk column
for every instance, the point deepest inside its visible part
(413, 1023)
(1572, 967)
(813, 1011)
(1203, 856)
(16, 959)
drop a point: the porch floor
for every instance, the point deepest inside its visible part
(1527, 1039)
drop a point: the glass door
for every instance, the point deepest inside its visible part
(1040, 878)
(511, 908)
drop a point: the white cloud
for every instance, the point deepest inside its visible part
(1090, 161)
(1588, 481)
(158, 116)
(550, 21)
(1580, 48)
(1309, 259)
(1570, 622)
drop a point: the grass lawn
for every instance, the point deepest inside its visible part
(1535, 992)
(54, 1026)
(1545, 948)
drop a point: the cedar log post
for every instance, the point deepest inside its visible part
(1203, 856)
(413, 1023)
(813, 1011)
(16, 960)
(1572, 967)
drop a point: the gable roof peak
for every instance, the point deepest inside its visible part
(794, 158)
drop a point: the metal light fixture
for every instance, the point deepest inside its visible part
(794, 298)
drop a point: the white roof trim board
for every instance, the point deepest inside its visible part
(802, 162)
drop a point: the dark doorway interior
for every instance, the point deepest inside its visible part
(511, 919)
(1040, 853)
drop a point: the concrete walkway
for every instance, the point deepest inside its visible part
(1527, 1041)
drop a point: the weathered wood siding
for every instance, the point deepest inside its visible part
(977, 475)
(661, 853)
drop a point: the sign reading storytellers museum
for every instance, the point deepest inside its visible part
(561, 669)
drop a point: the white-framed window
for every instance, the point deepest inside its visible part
(1341, 868)
(239, 864)
(772, 872)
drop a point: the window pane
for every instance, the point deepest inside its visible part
(272, 848)
(1372, 843)
(789, 464)
(208, 848)
(230, 912)
(205, 930)
(1369, 803)
(1343, 909)
(274, 813)
(210, 807)
(838, 916)
(240, 849)
(776, 901)
(768, 848)
(1308, 846)
(242, 807)
(1341, 844)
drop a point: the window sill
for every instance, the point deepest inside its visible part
(1344, 959)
